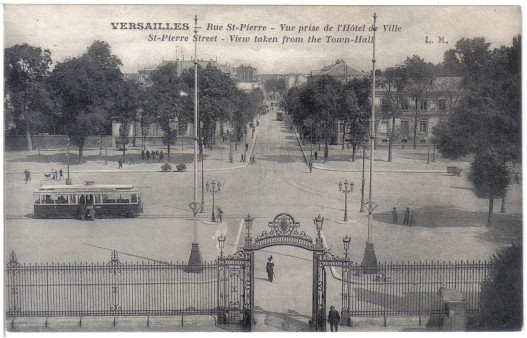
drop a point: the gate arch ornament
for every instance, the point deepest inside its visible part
(236, 272)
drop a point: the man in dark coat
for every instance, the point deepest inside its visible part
(270, 269)
(406, 220)
(147, 155)
(142, 155)
(394, 216)
(333, 319)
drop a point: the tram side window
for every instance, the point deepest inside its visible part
(48, 200)
(134, 198)
(37, 201)
(62, 200)
(98, 199)
(72, 199)
(123, 199)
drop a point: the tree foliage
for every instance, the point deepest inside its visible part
(27, 96)
(502, 292)
(86, 88)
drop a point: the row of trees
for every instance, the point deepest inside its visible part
(487, 121)
(82, 95)
(481, 90)
(323, 101)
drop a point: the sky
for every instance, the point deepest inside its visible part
(67, 31)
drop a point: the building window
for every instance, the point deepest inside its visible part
(423, 126)
(442, 105)
(404, 105)
(424, 105)
(384, 127)
(404, 127)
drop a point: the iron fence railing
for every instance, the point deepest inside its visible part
(154, 288)
(411, 289)
(109, 289)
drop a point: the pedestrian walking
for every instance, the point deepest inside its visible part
(142, 154)
(120, 163)
(220, 213)
(61, 176)
(27, 175)
(246, 147)
(406, 220)
(161, 156)
(394, 216)
(333, 319)
(131, 160)
(148, 155)
(269, 268)
(316, 155)
(412, 219)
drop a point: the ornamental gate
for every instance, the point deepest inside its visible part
(236, 272)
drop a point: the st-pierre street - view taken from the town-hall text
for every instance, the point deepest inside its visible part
(262, 168)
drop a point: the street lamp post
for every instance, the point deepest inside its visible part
(346, 189)
(68, 180)
(319, 222)
(248, 225)
(195, 261)
(369, 260)
(221, 242)
(213, 188)
(363, 180)
(346, 240)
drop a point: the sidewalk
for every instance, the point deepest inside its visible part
(95, 160)
(420, 160)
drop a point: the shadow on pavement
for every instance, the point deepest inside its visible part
(506, 227)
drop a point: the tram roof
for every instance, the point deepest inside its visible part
(86, 188)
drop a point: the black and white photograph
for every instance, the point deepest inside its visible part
(262, 168)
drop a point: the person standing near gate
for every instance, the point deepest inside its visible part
(333, 319)
(270, 269)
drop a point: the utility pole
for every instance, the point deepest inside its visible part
(195, 260)
(369, 261)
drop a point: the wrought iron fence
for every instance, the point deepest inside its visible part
(411, 289)
(109, 289)
(150, 289)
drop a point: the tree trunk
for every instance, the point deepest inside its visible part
(415, 125)
(168, 152)
(391, 139)
(491, 207)
(343, 134)
(124, 152)
(503, 198)
(29, 143)
(81, 148)
(353, 152)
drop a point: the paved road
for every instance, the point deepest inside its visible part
(278, 182)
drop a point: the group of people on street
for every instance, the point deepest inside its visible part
(53, 175)
(409, 217)
(154, 154)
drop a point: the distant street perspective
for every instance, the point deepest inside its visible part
(194, 195)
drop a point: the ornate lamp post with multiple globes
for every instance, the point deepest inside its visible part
(213, 188)
(346, 188)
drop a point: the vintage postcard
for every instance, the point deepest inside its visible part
(219, 168)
